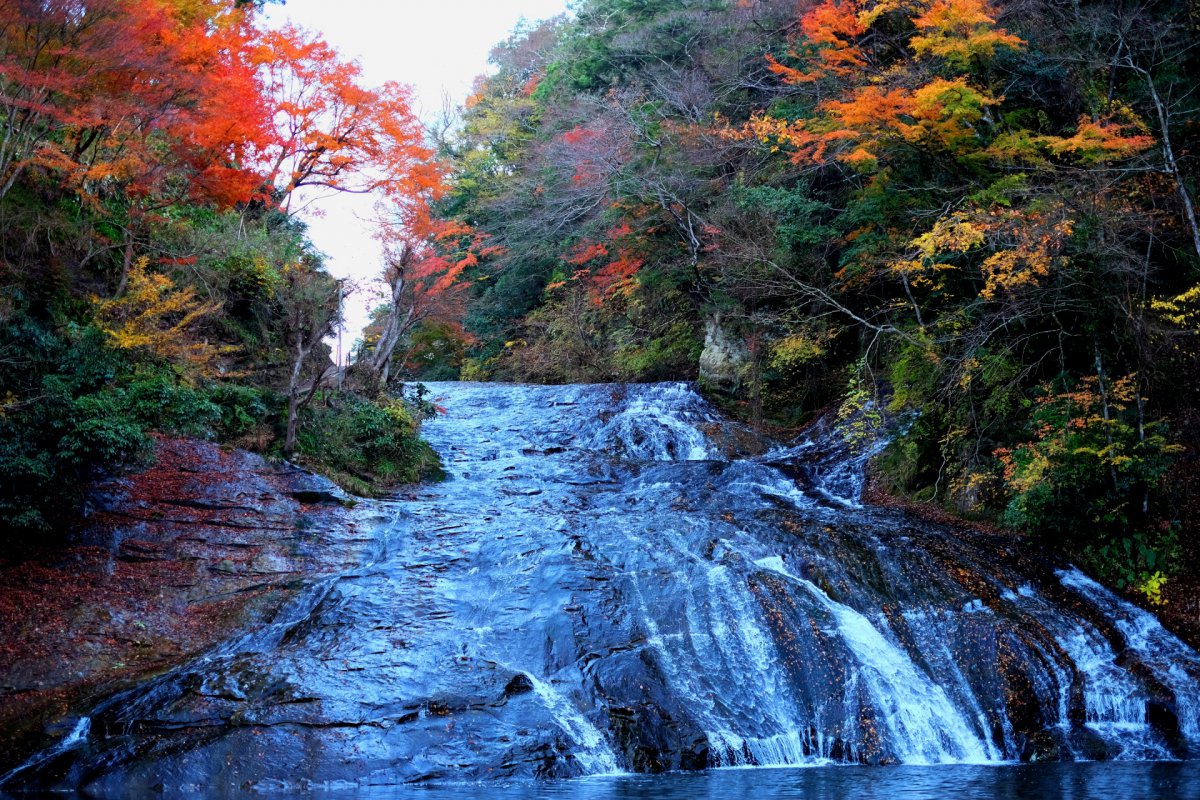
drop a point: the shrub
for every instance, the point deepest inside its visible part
(63, 419)
(1088, 475)
(73, 407)
(367, 446)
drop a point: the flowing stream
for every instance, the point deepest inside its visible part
(615, 580)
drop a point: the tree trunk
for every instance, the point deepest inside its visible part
(293, 415)
(1168, 151)
(293, 418)
(1112, 470)
(402, 316)
(126, 264)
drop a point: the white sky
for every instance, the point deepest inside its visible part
(435, 46)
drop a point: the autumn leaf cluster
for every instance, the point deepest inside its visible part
(961, 207)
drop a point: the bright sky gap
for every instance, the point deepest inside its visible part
(436, 48)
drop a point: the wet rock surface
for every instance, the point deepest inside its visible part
(724, 359)
(603, 585)
(167, 562)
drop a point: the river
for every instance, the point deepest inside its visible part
(615, 580)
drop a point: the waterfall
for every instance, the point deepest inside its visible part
(925, 727)
(1170, 660)
(74, 738)
(591, 749)
(614, 578)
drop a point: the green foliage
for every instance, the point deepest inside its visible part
(367, 446)
(60, 422)
(659, 357)
(243, 412)
(75, 403)
(434, 352)
(1081, 477)
(797, 214)
(76, 408)
(859, 419)
(914, 375)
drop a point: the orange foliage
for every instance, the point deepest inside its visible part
(833, 28)
(142, 93)
(332, 132)
(605, 278)
(616, 277)
(1028, 246)
(134, 92)
(1103, 139)
(881, 103)
(585, 252)
(941, 114)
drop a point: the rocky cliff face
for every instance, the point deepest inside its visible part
(724, 360)
(603, 584)
(165, 563)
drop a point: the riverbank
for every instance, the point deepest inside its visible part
(165, 563)
(1178, 613)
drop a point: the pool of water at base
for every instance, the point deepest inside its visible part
(1073, 781)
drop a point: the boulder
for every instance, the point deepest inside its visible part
(725, 359)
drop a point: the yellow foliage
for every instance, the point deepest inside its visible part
(1009, 270)
(1182, 310)
(960, 30)
(1025, 247)
(967, 373)
(1034, 242)
(972, 490)
(157, 317)
(9, 401)
(953, 234)
(945, 112)
(1151, 586)
(795, 351)
(871, 14)
(957, 233)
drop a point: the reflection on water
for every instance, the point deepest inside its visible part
(1113, 781)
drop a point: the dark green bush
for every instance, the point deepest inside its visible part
(73, 408)
(367, 446)
(64, 418)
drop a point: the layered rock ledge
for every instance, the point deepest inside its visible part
(165, 563)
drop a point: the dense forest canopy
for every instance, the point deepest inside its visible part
(155, 276)
(972, 222)
(977, 217)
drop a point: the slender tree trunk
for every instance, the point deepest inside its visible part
(1112, 470)
(293, 415)
(1168, 151)
(395, 327)
(298, 397)
(401, 317)
(289, 441)
(1141, 408)
(913, 301)
(126, 264)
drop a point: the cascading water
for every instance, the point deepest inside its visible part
(615, 579)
